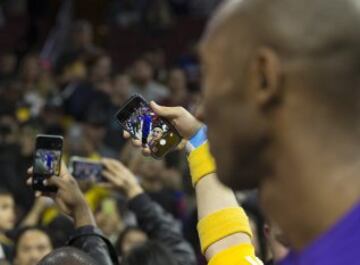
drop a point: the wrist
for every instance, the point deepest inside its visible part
(197, 139)
(83, 215)
(80, 208)
(201, 163)
(134, 192)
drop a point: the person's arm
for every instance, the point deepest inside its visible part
(162, 227)
(70, 201)
(152, 218)
(223, 226)
(34, 215)
(91, 240)
(209, 204)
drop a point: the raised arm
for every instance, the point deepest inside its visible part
(223, 227)
(152, 218)
(70, 201)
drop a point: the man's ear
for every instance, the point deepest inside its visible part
(266, 76)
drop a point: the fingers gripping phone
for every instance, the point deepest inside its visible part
(156, 133)
(47, 160)
(84, 169)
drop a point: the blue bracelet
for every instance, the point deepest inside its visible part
(199, 138)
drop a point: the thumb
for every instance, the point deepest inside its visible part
(166, 112)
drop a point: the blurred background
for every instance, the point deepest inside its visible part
(66, 67)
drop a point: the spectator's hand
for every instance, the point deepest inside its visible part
(186, 124)
(121, 178)
(68, 197)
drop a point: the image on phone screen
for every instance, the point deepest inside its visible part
(143, 124)
(146, 126)
(87, 171)
(47, 162)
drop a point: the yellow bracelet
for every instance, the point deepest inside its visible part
(201, 163)
(221, 224)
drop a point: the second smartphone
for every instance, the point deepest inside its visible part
(83, 169)
(47, 160)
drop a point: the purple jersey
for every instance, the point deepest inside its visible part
(339, 246)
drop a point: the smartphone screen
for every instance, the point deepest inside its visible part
(86, 169)
(137, 118)
(47, 160)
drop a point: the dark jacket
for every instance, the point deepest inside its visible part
(90, 240)
(162, 227)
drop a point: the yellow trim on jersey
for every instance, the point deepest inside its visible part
(243, 254)
(221, 224)
(201, 163)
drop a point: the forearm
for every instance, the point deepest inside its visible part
(31, 219)
(212, 196)
(222, 222)
(153, 219)
(83, 216)
(161, 226)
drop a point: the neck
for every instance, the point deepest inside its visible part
(313, 187)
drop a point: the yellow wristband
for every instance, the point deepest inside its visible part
(221, 224)
(201, 163)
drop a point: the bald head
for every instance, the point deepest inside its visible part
(308, 26)
(281, 57)
(319, 39)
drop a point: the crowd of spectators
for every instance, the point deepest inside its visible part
(77, 97)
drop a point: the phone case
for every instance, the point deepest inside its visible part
(160, 145)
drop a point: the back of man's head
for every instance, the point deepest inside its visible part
(67, 256)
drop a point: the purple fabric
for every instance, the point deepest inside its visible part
(339, 246)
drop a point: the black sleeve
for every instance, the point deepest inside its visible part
(90, 240)
(162, 227)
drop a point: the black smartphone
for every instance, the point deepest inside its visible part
(47, 160)
(84, 169)
(157, 133)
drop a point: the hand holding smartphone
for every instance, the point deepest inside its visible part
(139, 120)
(46, 161)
